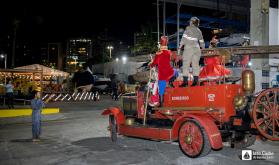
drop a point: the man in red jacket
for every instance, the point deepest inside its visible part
(165, 70)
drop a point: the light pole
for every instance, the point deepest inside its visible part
(75, 58)
(158, 24)
(110, 48)
(5, 58)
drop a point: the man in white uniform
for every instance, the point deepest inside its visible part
(192, 41)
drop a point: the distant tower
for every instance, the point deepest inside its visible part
(79, 50)
(54, 55)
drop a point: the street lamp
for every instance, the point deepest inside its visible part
(117, 59)
(124, 59)
(5, 58)
(110, 48)
(75, 58)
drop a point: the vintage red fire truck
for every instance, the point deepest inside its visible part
(200, 118)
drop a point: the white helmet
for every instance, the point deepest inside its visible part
(195, 21)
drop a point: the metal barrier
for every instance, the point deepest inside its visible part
(55, 97)
(76, 96)
(15, 100)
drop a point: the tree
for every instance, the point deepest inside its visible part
(145, 40)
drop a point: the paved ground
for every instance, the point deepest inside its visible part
(78, 136)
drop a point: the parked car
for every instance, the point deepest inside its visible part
(102, 85)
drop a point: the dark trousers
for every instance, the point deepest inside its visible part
(36, 124)
(10, 100)
(115, 94)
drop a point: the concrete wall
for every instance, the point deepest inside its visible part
(264, 25)
(258, 32)
(273, 40)
(273, 34)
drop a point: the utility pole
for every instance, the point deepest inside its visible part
(178, 22)
(16, 23)
(164, 18)
(158, 24)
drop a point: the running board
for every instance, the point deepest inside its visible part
(182, 108)
(146, 132)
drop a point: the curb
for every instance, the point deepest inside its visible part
(26, 112)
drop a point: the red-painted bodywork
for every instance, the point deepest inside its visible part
(146, 132)
(206, 122)
(168, 134)
(209, 106)
(118, 114)
(219, 97)
(140, 104)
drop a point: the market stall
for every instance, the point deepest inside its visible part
(27, 78)
(51, 80)
(23, 80)
(46, 71)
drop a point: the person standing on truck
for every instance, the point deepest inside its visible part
(192, 40)
(165, 70)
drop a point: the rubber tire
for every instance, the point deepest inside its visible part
(113, 128)
(242, 144)
(206, 148)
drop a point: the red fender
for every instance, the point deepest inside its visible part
(117, 113)
(207, 123)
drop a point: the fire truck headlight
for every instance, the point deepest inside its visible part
(240, 102)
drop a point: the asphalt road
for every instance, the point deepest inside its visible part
(79, 136)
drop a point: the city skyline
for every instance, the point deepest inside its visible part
(35, 24)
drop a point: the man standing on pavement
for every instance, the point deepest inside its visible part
(192, 40)
(10, 94)
(36, 104)
(114, 86)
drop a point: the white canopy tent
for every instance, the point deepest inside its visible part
(45, 70)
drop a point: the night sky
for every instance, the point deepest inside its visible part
(48, 21)
(52, 20)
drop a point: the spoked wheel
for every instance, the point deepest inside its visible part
(193, 140)
(113, 128)
(266, 113)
